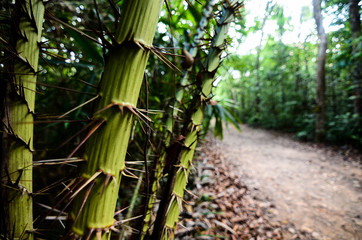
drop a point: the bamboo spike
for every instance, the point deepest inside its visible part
(47, 188)
(87, 83)
(57, 161)
(136, 170)
(50, 208)
(64, 208)
(86, 195)
(127, 220)
(86, 138)
(79, 106)
(62, 88)
(136, 162)
(143, 115)
(51, 17)
(108, 177)
(85, 184)
(105, 108)
(130, 174)
(99, 234)
(143, 129)
(89, 233)
(67, 187)
(165, 60)
(132, 109)
(114, 229)
(58, 121)
(65, 217)
(61, 200)
(114, 180)
(119, 211)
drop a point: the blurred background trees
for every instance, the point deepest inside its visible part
(281, 93)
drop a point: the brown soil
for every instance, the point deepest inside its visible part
(314, 189)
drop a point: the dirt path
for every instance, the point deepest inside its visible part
(316, 190)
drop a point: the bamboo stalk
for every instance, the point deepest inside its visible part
(207, 77)
(17, 138)
(119, 91)
(207, 14)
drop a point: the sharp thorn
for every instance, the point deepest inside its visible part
(108, 177)
(89, 233)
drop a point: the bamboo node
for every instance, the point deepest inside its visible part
(142, 44)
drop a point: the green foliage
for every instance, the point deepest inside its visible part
(220, 115)
(345, 126)
(285, 82)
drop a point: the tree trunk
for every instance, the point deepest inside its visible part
(105, 152)
(356, 33)
(305, 90)
(298, 78)
(320, 131)
(242, 96)
(268, 9)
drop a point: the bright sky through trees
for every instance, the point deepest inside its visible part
(255, 9)
(297, 31)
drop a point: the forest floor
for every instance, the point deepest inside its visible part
(261, 184)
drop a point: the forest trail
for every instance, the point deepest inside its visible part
(315, 189)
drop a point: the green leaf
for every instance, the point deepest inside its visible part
(230, 118)
(220, 110)
(218, 129)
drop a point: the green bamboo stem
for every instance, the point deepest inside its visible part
(21, 100)
(119, 90)
(207, 14)
(212, 63)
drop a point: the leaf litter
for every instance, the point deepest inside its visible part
(229, 204)
(221, 207)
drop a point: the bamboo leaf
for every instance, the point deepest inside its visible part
(232, 119)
